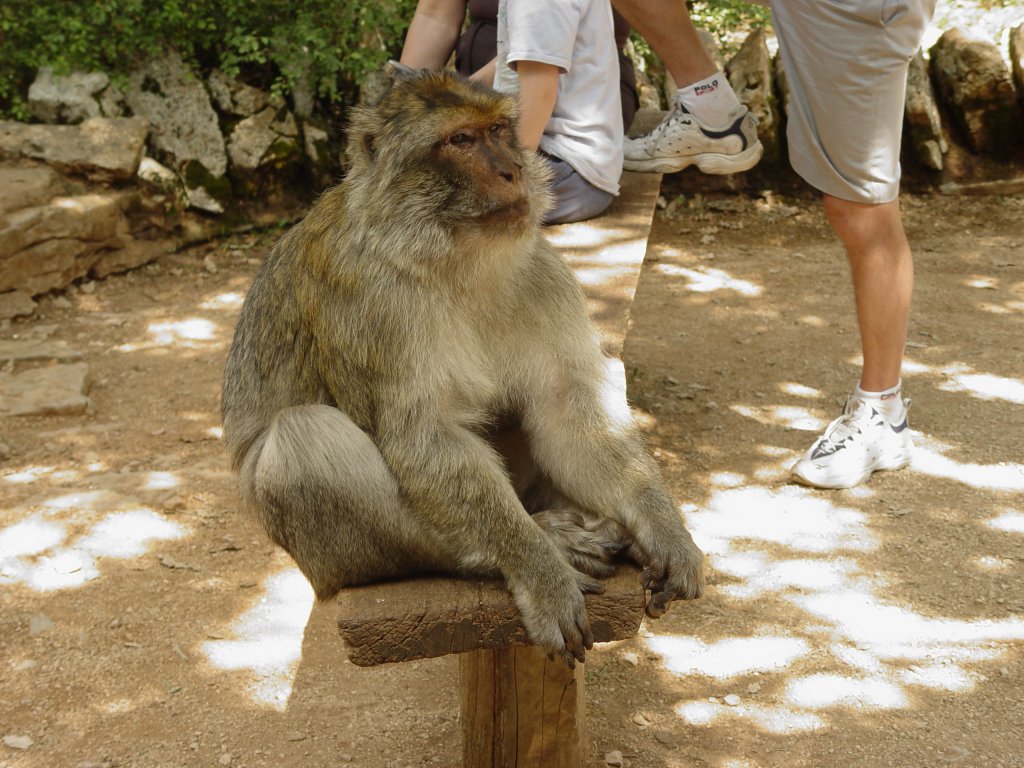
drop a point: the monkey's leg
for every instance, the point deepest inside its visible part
(584, 440)
(587, 541)
(322, 491)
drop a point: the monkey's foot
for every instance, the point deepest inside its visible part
(589, 546)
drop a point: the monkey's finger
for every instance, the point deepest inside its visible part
(588, 637)
(658, 604)
(568, 658)
(653, 576)
(588, 585)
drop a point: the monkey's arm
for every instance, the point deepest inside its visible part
(457, 485)
(582, 436)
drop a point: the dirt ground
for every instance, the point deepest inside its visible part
(145, 623)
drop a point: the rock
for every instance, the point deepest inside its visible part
(186, 134)
(268, 140)
(750, 73)
(26, 187)
(16, 304)
(613, 758)
(732, 700)
(101, 148)
(923, 123)
(753, 688)
(225, 759)
(974, 83)
(296, 736)
(5, 453)
(55, 389)
(664, 737)
(39, 624)
(69, 98)
(18, 742)
(156, 174)
(49, 246)
(631, 658)
(374, 87)
(26, 350)
(1017, 59)
(321, 156)
(641, 720)
(998, 187)
(234, 97)
(134, 254)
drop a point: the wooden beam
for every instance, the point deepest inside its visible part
(428, 617)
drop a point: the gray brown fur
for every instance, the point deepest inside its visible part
(387, 338)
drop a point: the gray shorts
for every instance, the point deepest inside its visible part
(846, 62)
(576, 198)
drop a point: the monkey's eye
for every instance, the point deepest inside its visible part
(460, 138)
(497, 128)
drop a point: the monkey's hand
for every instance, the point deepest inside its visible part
(673, 569)
(588, 546)
(551, 603)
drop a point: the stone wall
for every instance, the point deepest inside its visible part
(107, 176)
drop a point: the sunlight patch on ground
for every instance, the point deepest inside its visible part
(830, 690)
(709, 280)
(777, 720)
(992, 564)
(893, 632)
(726, 658)
(849, 647)
(798, 390)
(189, 334)
(963, 378)
(788, 416)
(1010, 521)
(268, 639)
(602, 275)
(582, 235)
(791, 516)
(224, 301)
(41, 552)
(161, 480)
(986, 386)
(928, 459)
(28, 475)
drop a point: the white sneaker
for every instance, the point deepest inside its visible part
(680, 140)
(853, 446)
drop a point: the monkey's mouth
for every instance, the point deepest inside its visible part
(505, 213)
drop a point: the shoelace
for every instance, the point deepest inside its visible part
(847, 425)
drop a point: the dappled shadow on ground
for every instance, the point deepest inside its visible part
(842, 625)
(147, 624)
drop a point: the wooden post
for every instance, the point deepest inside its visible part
(521, 710)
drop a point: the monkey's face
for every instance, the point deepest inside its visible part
(445, 148)
(482, 163)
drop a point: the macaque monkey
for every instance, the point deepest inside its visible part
(414, 373)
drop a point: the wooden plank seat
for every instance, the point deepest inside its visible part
(519, 709)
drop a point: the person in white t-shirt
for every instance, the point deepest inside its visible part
(562, 61)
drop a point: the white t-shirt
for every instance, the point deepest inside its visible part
(577, 36)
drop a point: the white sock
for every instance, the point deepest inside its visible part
(888, 402)
(711, 100)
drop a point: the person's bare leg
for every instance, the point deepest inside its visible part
(871, 434)
(432, 33)
(883, 280)
(666, 26)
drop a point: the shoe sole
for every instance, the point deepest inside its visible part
(854, 480)
(711, 163)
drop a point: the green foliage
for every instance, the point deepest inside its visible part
(326, 46)
(729, 20)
